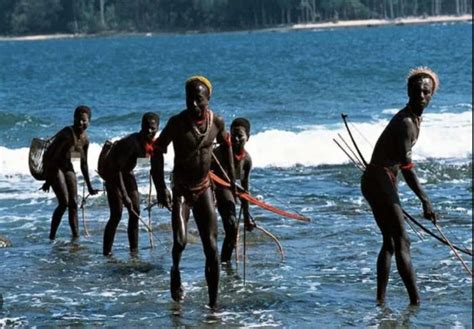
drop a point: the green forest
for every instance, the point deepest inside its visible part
(28, 17)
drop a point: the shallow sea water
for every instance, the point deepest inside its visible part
(292, 86)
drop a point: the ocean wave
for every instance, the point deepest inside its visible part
(443, 136)
(111, 119)
(19, 121)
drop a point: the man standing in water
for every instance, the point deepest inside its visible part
(59, 170)
(240, 133)
(120, 181)
(192, 132)
(392, 154)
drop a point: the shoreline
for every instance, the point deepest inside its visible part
(294, 27)
(384, 22)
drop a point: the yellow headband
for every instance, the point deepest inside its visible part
(424, 70)
(202, 79)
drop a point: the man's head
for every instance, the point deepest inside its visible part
(198, 93)
(240, 131)
(82, 116)
(422, 84)
(150, 124)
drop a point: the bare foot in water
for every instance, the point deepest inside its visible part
(177, 290)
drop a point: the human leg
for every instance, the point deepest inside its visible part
(58, 183)
(71, 182)
(226, 208)
(384, 259)
(206, 221)
(371, 189)
(384, 201)
(403, 256)
(114, 198)
(179, 223)
(132, 230)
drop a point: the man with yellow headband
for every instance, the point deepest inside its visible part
(392, 154)
(192, 132)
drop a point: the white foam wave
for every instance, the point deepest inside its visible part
(443, 135)
(390, 111)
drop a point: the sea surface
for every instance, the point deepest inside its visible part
(293, 86)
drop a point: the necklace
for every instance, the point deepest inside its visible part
(196, 130)
(240, 156)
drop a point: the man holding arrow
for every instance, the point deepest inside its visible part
(393, 153)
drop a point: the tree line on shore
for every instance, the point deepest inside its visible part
(26, 17)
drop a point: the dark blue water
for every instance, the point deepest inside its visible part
(292, 86)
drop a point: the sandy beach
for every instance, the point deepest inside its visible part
(383, 22)
(42, 37)
(295, 27)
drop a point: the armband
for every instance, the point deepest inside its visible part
(408, 166)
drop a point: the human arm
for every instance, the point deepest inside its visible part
(158, 176)
(45, 187)
(223, 138)
(412, 181)
(85, 168)
(157, 163)
(120, 161)
(54, 155)
(56, 152)
(125, 197)
(407, 167)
